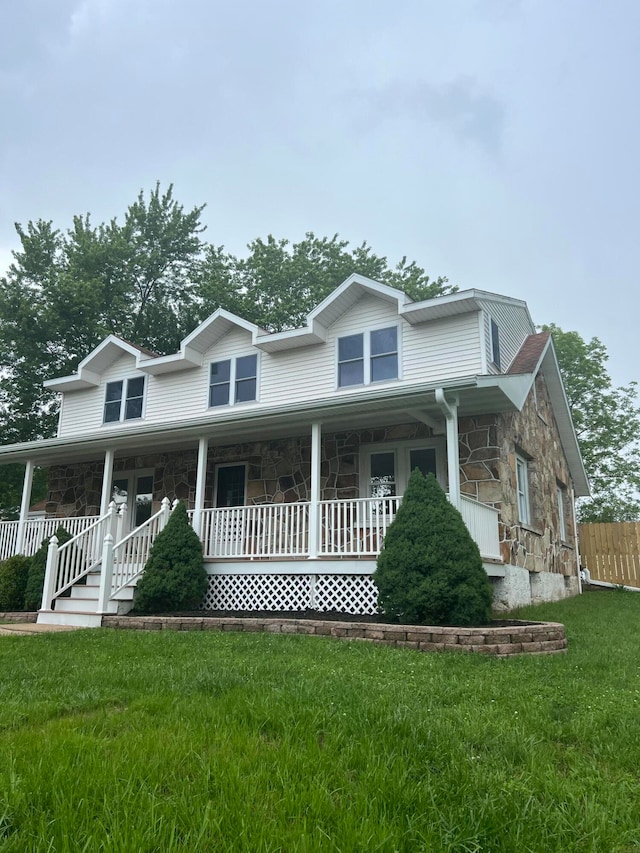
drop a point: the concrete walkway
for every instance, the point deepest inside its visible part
(25, 628)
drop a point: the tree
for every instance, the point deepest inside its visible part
(607, 424)
(174, 576)
(430, 571)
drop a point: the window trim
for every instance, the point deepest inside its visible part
(367, 357)
(233, 391)
(522, 489)
(124, 397)
(561, 494)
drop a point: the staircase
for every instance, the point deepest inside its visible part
(95, 573)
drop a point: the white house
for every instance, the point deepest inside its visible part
(292, 451)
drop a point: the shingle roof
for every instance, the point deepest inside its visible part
(528, 357)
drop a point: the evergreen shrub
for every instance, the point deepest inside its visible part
(37, 569)
(174, 577)
(13, 582)
(429, 571)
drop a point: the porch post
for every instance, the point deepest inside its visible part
(314, 497)
(450, 411)
(201, 478)
(105, 500)
(24, 506)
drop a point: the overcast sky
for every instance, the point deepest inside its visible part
(492, 141)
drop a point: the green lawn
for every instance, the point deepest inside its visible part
(127, 741)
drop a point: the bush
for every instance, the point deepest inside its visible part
(174, 577)
(37, 568)
(430, 571)
(13, 582)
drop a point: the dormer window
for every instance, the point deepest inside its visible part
(234, 380)
(124, 400)
(368, 357)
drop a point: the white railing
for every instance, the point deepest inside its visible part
(482, 523)
(131, 553)
(351, 528)
(37, 529)
(253, 532)
(68, 563)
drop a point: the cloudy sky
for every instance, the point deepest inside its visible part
(492, 141)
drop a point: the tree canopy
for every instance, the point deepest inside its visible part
(607, 424)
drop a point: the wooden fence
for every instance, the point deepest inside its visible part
(611, 552)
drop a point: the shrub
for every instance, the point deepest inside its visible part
(13, 582)
(430, 570)
(174, 577)
(37, 568)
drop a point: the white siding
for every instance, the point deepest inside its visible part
(435, 351)
(514, 326)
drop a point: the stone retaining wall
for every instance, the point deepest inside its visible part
(505, 641)
(18, 616)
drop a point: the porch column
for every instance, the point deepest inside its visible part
(201, 478)
(314, 497)
(105, 499)
(24, 505)
(450, 411)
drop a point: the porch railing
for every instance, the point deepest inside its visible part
(482, 523)
(354, 528)
(37, 529)
(256, 532)
(131, 553)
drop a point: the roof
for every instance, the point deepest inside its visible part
(530, 353)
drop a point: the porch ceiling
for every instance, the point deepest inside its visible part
(378, 408)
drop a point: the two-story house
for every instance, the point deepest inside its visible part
(292, 451)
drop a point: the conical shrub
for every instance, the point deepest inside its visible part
(174, 577)
(430, 571)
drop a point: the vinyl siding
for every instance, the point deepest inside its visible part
(430, 352)
(514, 326)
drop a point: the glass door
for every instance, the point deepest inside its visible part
(136, 491)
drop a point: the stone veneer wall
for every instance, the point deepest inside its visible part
(488, 445)
(279, 471)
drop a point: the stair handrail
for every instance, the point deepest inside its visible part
(71, 561)
(115, 580)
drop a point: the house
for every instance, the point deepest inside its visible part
(292, 451)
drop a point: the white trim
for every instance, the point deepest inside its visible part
(561, 493)
(201, 479)
(314, 496)
(522, 489)
(107, 477)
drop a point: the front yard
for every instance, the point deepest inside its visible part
(165, 741)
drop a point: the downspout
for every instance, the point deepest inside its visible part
(450, 411)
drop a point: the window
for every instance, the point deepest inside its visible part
(368, 357)
(385, 470)
(124, 400)
(139, 487)
(234, 380)
(495, 343)
(562, 527)
(522, 485)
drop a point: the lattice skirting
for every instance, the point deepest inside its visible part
(342, 593)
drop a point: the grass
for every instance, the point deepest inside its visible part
(125, 741)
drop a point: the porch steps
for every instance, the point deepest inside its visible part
(80, 608)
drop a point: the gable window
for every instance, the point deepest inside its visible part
(368, 357)
(124, 400)
(233, 380)
(522, 485)
(495, 343)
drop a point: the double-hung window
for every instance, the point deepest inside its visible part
(124, 400)
(562, 527)
(234, 380)
(368, 357)
(522, 485)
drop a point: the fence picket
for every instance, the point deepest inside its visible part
(611, 552)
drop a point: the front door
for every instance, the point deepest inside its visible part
(229, 527)
(135, 489)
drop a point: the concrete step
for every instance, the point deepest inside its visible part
(79, 618)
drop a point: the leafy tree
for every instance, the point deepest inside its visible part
(174, 577)
(430, 571)
(13, 581)
(37, 570)
(607, 423)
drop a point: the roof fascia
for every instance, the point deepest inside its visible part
(355, 280)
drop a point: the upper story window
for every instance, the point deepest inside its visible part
(495, 343)
(234, 380)
(368, 357)
(124, 400)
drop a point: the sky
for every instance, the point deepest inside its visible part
(494, 142)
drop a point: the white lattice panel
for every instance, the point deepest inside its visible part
(341, 593)
(258, 592)
(346, 593)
